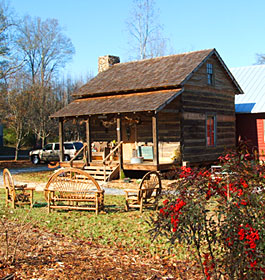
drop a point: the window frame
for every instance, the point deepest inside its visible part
(210, 74)
(213, 130)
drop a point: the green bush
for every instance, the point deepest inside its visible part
(9, 136)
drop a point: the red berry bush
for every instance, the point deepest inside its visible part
(221, 214)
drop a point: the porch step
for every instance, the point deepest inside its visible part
(97, 171)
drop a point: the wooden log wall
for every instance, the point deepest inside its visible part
(169, 129)
(200, 99)
(103, 128)
(144, 128)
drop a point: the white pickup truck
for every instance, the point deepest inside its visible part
(51, 152)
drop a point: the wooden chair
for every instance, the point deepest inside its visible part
(72, 188)
(16, 194)
(147, 194)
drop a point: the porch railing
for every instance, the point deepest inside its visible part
(105, 161)
(84, 149)
(111, 153)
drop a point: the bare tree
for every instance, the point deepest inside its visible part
(145, 32)
(45, 47)
(17, 116)
(73, 130)
(10, 62)
(261, 58)
(66, 87)
(46, 50)
(4, 48)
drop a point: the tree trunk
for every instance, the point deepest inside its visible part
(42, 142)
(16, 152)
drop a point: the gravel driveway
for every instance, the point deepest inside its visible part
(40, 186)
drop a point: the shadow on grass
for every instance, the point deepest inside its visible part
(108, 208)
(112, 208)
(40, 204)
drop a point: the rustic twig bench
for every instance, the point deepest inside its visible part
(72, 188)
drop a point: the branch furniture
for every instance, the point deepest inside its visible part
(72, 188)
(16, 194)
(147, 194)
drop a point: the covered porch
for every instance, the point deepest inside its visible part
(126, 132)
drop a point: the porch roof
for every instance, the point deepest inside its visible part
(125, 103)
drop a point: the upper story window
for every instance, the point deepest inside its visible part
(210, 74)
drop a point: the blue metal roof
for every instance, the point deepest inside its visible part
(252, 81)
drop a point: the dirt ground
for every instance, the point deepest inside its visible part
(42, 255)
(15, 164)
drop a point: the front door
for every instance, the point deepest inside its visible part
(129, 138)
(129, 133)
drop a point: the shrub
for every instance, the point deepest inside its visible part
(221, 215)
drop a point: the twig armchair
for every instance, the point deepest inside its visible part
(147, 194)
(16, 194)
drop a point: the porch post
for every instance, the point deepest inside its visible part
(155, 139)
(61, 139)
(119, 139)
(88, 141)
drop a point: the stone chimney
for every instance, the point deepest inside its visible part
(105, 62)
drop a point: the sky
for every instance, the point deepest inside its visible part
(98, 27)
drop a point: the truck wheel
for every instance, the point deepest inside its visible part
(35, 159)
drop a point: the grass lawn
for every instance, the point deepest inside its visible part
(114, 227)
(34, 177)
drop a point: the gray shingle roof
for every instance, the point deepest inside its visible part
(156, 73)
(145, 85)
(134, 102)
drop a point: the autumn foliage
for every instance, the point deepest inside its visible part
(220, 215)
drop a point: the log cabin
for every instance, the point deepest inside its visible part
(161, 112)
(250, 107)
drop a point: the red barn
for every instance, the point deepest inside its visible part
(250, 107)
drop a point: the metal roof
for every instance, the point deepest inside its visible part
(252, 80)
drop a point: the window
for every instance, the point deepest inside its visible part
(209, 74)
(56, 147)
(210, 130)
(78, 145)
(69, 146)
(48, 147)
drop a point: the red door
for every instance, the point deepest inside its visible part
(261, 137)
